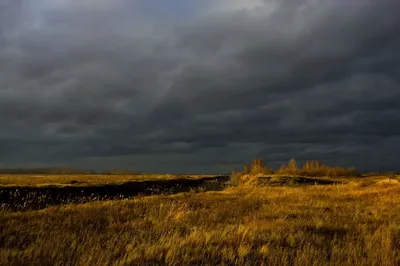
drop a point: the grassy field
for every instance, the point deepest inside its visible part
(82, 179)
(348, 224)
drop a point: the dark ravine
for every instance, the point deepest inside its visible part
(32, 198)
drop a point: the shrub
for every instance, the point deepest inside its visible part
(258, 167)
(250, 172)
(290, 168)
(314, 168)
(234, 178)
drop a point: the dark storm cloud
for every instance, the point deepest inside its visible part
(112, 83)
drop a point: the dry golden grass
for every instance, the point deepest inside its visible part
(82, 179)
(352, 224)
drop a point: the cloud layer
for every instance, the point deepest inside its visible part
(189, 87)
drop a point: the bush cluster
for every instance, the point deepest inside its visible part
(311, 168)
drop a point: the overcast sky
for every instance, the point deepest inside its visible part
(186, 86)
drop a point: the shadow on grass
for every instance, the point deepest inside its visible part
(325, 231)
(33, 198)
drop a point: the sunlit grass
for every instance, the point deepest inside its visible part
(348, 224)
(82, 179)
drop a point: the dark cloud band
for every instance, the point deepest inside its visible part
(112, 85)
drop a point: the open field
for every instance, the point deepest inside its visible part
(357, 223)
(83, 179)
